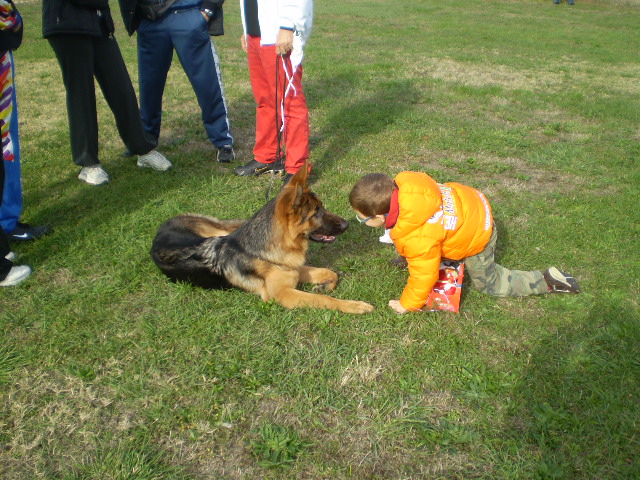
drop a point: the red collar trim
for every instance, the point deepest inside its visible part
(394, 210)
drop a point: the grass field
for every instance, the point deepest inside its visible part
(109, 371)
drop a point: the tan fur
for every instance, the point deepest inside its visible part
(269, 267)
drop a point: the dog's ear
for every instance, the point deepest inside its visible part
(292, 193)
(301, 176)
(297, 199)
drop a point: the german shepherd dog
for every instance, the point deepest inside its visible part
(264, 255)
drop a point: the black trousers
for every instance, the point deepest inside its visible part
(81, 58)
(5, 265)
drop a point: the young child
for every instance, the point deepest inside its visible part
(430, 222)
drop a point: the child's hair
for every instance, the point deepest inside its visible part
(371, 195)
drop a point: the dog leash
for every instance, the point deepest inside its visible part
(279, 121)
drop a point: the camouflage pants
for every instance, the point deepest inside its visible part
(491, 278)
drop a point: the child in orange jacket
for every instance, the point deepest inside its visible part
(430, 222)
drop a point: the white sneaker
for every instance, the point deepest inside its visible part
(16, 275)
(154, 159)
(11, 256)
(94, 175)
(386, 238)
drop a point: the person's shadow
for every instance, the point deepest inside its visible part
(360, 117)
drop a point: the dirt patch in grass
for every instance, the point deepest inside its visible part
(497, 175)
(555, 75)
(51, 419)
(61, 278)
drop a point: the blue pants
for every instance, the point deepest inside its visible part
(5, 265)
(186, 31)
(11, 205)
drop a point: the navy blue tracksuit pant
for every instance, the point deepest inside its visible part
(186, 31)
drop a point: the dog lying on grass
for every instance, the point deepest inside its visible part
(264, 255)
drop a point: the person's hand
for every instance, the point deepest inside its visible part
(243, 42)
(284, 42)
(396, 307)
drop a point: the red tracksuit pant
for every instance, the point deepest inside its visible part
(262, 72)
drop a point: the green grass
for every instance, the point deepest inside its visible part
(109, 371)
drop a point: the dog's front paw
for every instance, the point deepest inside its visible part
(355, 306)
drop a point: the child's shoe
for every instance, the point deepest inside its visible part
(400, 262)
(560, 282)
(386, 237)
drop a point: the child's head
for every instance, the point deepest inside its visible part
(371, 195)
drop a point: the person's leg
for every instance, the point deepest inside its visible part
(10, 274)
(296, 122)
(199, 59)
(75, 56)
(493, 279)
(113, 78)
(262, 61)
(11, 204)
(155, 52)
(5, 264)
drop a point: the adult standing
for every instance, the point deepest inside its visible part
(11, 31)
(10, 38)
(10, 274)
(185, 26)
(81, 35)
(275, 33)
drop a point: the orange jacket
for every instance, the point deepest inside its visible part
(436, 221)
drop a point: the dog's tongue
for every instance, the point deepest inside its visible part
(323, 238)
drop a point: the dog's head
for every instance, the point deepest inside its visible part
(305, 212)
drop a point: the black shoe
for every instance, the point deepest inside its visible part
(560, 282)
(286, 178)
(226, 154)
(400, 262)
(255, 168)
(25, 232)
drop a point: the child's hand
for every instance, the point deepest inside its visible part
(395, 305)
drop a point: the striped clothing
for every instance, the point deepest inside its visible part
(9, 18)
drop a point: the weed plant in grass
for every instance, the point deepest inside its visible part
(108, 370)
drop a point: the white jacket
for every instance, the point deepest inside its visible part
(291, 14)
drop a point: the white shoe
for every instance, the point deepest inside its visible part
(386, 238)
(11, 256)
(94, 175)
(154, 159)
(16, 275)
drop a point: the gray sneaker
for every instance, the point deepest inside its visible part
(16, 275)
(560, 282)
(155, 160)
(94, 175)
(226, 154)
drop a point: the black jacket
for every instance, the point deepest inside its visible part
(131, 17)
(10, 40)
(84, 17)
